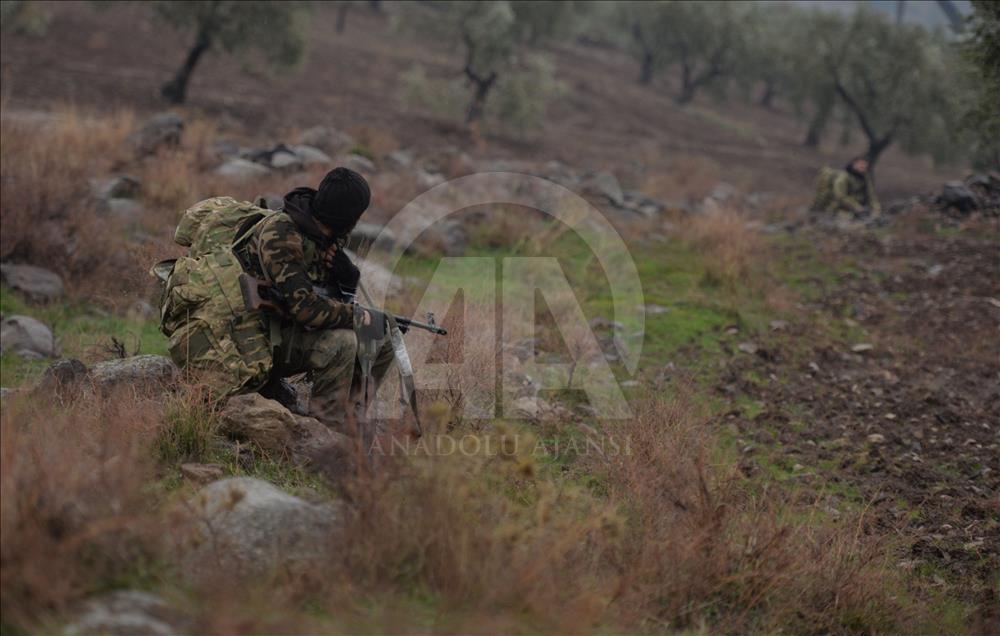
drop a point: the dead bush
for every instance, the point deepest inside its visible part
(75, 500)
(48, 213)
(733, 254)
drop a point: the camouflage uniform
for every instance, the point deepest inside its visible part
(840, 191)
(237, 351)
(317, 337)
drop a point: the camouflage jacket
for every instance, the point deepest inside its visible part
(284, 256)
(841, 191)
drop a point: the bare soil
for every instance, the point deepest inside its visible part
(910, 427)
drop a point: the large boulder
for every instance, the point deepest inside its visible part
(145, 374)
(956, 194)
(128, 613)
(37, 283)
(27, 337)
(163, 130)
(249, 526)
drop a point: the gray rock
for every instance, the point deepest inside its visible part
(285, 160)
(128, 613)
(723, 192)
(63, 378)
(428, 180)
(241, 169)
(309, 155)
(251, 527)
(527, 408)
(126, 209)
(356, 162)
(119, 187)
(956, 194)
(748, 347)
(37, 283)
(27, 337)
(145, 373)
(372, 234)
(606, 185)
(163, 130)
(327, 139)
(402, 158)
(225, 148)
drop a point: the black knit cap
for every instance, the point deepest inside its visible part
(341, 199)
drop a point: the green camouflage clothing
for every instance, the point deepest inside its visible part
(841, 191)
(237, 351)
(282, 255)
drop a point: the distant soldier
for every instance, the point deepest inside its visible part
(298, 250)
(848, 191)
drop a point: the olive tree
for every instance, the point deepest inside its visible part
(275, 29)
(982, 50)
(705, 40)
(900, 83)
(490, 40)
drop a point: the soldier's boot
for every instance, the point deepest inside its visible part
(331, 362)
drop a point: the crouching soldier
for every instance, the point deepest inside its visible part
(847, 192)
(298, 252)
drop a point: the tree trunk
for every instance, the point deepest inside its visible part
(342, 12)
(767, 97)
(175, 91)
(687, 85)
(818, 124)
(646, 69)
(479, 95)
(875, 148)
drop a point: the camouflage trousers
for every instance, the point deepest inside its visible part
(329, 358)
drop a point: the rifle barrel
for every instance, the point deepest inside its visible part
(410, 322)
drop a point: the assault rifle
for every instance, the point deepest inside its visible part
(258, 294)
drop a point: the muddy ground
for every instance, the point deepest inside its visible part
(887, 394)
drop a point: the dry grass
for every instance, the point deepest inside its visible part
(75, 501)
(734, 255)
(671, 536)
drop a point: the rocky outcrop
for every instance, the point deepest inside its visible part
(27, 337)
(252, 527)
(37, 283)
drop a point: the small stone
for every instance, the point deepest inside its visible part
(798, 468)
(128, 613)
(890, 416)
(862, 347)
(876, 438)
(779, 325)
(748, 347)
(655, 310)
(285, 160)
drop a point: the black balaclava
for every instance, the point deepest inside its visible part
(338, 203)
